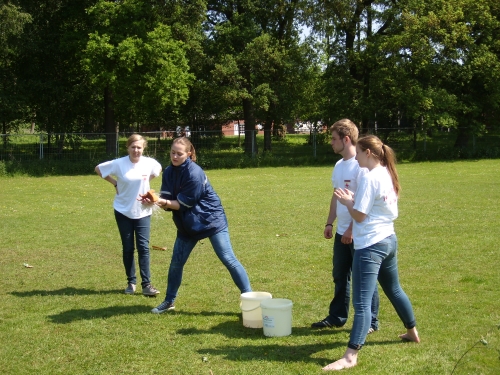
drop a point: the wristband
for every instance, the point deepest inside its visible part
(329, 225)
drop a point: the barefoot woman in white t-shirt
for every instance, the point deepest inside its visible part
(374, 207)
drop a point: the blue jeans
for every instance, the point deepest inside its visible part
(342, 265)
(222, 247)
(138, 228)
(374, 262)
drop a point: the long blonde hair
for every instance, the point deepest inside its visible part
(384, 153)
(188, 146)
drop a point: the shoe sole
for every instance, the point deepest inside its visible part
(156, 311)
(322, 324)
(151, 294)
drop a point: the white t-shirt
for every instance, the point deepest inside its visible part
(346, 174)
(376, 198)
(133, 179)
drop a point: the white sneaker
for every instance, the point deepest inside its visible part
(130, 289)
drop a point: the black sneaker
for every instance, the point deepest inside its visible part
(325, 323)
(163, 307)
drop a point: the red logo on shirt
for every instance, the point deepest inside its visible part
(391, 198)
(347, 183)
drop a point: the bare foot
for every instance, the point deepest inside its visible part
(350, 359)
(341, 364)
(410, 335)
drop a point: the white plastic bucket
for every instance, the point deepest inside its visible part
(250, 307)
(277, 316)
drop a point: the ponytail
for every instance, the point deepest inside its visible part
(193, 153)
(389, 161)
(385, 154)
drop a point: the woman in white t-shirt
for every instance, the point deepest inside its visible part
(130, 176)
(374, 207)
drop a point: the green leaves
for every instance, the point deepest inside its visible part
(143, 65)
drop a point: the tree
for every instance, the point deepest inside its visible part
(420, 60)
(244, 79)
(49, 71)
(446, 63)
(257, 61)
(12, 23)
(347, 28)
(133, 58)
(476, 73)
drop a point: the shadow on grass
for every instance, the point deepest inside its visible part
(285, 352)
(203, 313)
(75, 315)
(68, 291)
(234, 329)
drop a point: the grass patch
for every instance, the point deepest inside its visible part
(68, 315)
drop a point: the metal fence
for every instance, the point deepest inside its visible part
(93, 146)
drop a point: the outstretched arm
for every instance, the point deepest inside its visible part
(168, 204)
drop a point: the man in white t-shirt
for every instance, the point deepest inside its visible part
(346, 174)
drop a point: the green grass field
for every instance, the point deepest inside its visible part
(68, 315)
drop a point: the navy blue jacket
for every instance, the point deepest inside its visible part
(201, 214)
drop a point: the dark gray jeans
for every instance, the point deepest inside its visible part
(342, 266)
(135, 232)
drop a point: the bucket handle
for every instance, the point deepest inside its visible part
(241, 304)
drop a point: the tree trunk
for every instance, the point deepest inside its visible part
(250, 136)
(268, 123)
(4, 132)
(463, 137)
(109, 122)
(366, 72)
(60, 144)
(414, 134)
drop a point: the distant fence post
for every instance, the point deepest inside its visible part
(253, 143)
(314, 141)
(41, 146)
(424, 128)
(117, 148)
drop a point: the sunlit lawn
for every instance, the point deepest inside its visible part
(68, 315)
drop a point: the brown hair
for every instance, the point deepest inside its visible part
(385, 154)
(137, 137)
(188, 146)
(346, 128)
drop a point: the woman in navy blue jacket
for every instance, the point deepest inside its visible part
(197, 213)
